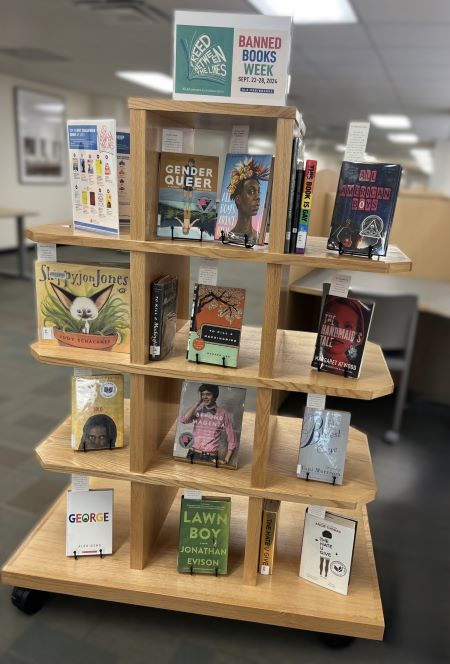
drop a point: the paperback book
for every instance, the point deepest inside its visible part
(123, 138)
(209, 424)
(89, 522)
(364, 207)
(204, 536)
(295, 167)
(268, 536)
(163, 312)
(305, 206)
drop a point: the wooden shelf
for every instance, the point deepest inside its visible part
(316, 254)
(283, 599)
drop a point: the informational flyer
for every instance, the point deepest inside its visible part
(239, 58)
(93, 175)
(124, 174)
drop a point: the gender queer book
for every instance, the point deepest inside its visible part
(216, 323)
(89, 522)
(343, 331)
(93, 175)
(209, 424)
(163, 316)
(327, 549)
(83, 306)
(240, 58)
(97, 412)
(187, 196)
(323, 444)
(268, 536)
(245, 187)
(123, 138)
(364, 207)
(204, 535)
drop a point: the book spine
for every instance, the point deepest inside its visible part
(296, 210)
(267, 545)
(156, 309)
(193, 312)
(305, 207)
(295, 146)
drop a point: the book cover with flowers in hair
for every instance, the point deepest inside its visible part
(245, 187)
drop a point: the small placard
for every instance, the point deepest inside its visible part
(81, 372)
(317, 510)
(265, 569)
(207, 272)
(188, 140)
(192, 494)
(239, 139)
(46, 252)
(316, 401)
(340, 283)
(47, 333)
(172, 140)
(358, 133)
(80, 483)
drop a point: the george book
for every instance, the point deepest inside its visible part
(306, 205)
(268, 536)
(364, 207)
(163, 316)
(97, 412)
(216, 323)
(327, 549)
(204, 535)
(123, 139)
(89, 522)
(187, 196)
(243, 199)
(323, 444)
(83, 306)
(209, 424)
(343, 330)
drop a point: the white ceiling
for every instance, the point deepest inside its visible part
(396, 59)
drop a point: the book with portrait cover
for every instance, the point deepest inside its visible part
(327, 549)
(187, 196)
(364, 207)
(83, 306)
(97, 412)
(323, 444)
(343, 330)
(268, 536)
(209, 424)
(89, 522)
(216, 323)
(163, 316)
(204, 535)
(245, 188)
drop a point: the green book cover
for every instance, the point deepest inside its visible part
(204, 535)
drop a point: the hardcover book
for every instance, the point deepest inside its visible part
(163, 312)
(83, 306)
(97, 412)
(295, 166)
(364, 207)
(209, 424)
(323, 444)
(216, 323)
(89, 522)
(204, 535)
(327, 550)
(187, 196)
(343, 331)
(268, 536)
(305, 205)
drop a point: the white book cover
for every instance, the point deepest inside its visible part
(124, 174)
(89, 522)
(240, 58)
(327, 550)
(93, 175)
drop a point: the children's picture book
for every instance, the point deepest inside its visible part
(323, 444)
(343, 330)
(209, 424)
(163, 316)
(97, 412)
(327, 549)
(187, 196)
(89, 522)
(216, 323)
(93, 175)
(204, 536)
(245, 187)
(124, 174)
(364, 207)
(268, 536)
(83, 306)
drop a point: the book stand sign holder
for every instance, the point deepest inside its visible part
(225, 240)
(192, 239)
(362, 253)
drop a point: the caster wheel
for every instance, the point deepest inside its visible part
(28, 601)
(391, 436)
(336, 641)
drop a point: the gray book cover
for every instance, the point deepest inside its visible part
(323, 444)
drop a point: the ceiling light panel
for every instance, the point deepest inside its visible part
(318, 12)
(390, 121)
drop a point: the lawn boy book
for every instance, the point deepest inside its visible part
(343, 331)
(163, 316)
(364, 207)
(124, 174)
(204, 535)
(305, 206)
(323, 444)
(97, 412)
(327, 549)
(268, 536)
(209, 424)
(237, 58)
(93, 175)
(187, 196)
(83, 306)
(216, 323)
(89, 522)
(245, 188)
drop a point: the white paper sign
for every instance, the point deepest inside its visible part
(172, 140)
(46, 252)
(239, 139)
(358, 133)
(188, 140)
(317, 510)
(207, 272)
(80, 483)
(192, 494)
(316, 400)
(340, 283)
(265, 569)
(81, 371)
(89, 522)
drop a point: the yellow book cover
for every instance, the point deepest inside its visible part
(97, 412)
(268, 536)
(83, 306)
